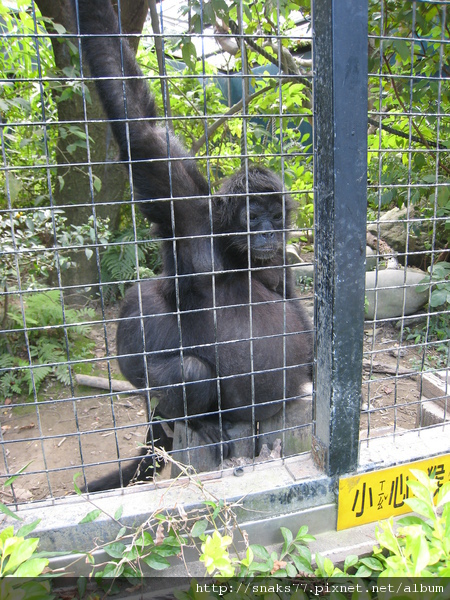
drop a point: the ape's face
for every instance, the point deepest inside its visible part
(260, 224)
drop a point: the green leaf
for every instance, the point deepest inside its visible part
(325, 565)
(260, 551)
(419, 554)
(439, 297)
(373, 563)
(7, 533)
(59, 28)
(131, 554)
(303, 551)
(91, 516)
(411, 520)
(189, 54)
(36, 590)
(220, 8)
(115, 550)
(420, 491)
(169, 550)
(302, 564)
(287, 536)
(403, 48)
(76, 488)
(31, 568)
(27, 529)
(118, 570)
(422, 477)
(363, 571)
(15, 186)
(444, 495)
(118, 513)
(21, 553)
(156, 562)
(386, 538)
(97, 182)
(81, 586)
(328, 566)
(199, 528)
(350, 561)
(261, 567)
(290, 570)
(420, 507)
(146, 539)
(5, 510)
(11, 480)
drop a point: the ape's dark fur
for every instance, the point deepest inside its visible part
(242, 337)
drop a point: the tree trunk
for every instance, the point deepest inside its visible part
(73, 191)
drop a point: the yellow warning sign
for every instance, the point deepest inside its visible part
(381, 494)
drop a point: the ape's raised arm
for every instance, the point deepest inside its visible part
(130, 106)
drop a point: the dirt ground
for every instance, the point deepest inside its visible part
(61, 415)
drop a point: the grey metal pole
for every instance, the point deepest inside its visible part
(340, 150)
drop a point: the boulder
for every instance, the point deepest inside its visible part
(371, 259)
(393, 229)
(396, 292)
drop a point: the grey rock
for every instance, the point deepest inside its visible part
(371, 259)
(393, 229)
(395, 293)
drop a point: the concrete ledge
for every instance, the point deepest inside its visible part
(401, 447)
(263, 493)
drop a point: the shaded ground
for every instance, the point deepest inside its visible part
(58, 417)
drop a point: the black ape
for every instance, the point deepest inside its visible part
(222, 327)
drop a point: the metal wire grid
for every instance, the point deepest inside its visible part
(404, 350)
(67, 417)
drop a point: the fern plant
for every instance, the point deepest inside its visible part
(119, 260)
(40, 341)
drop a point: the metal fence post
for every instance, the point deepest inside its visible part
(340, 150)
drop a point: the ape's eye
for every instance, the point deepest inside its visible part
(278, 216)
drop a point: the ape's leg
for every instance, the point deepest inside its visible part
(198, 395)
(184, 386)
(137, 469)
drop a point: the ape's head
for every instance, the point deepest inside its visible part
(257, 211)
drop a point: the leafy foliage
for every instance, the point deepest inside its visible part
(52, 337)
(127, 257)
(218, 131)
(20, 564)
(35, 242)
(419, 547)
(407, 157)
(28, 106)
(437, 326)
(16, 555)
(21, 105)
(440, 281)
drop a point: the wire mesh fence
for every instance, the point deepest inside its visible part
(216, 334)
(212, 319)
(407, 329)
